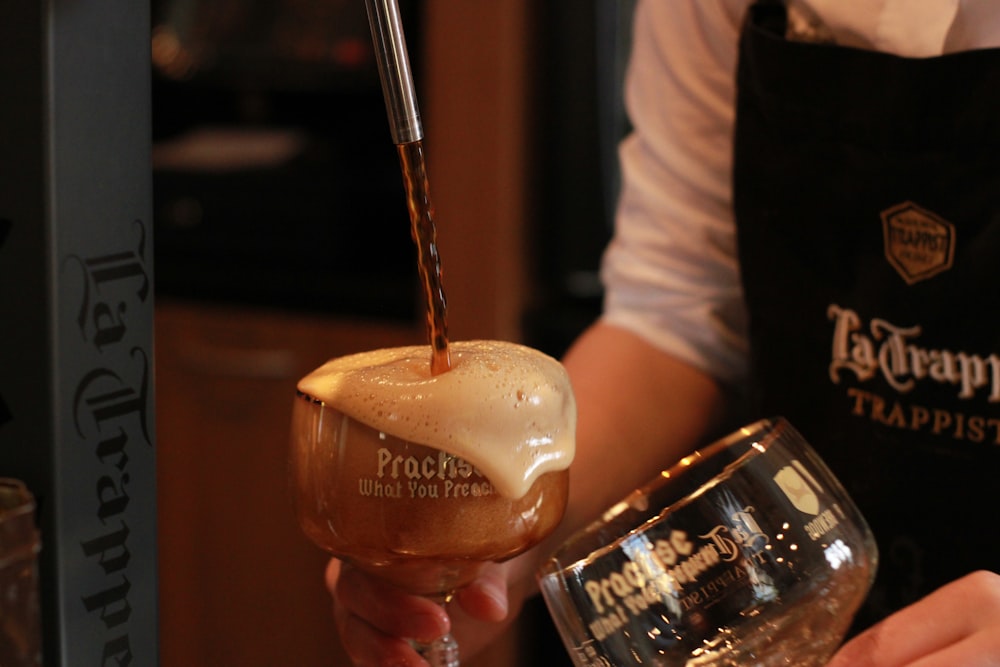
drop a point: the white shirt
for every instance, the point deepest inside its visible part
(671, 273)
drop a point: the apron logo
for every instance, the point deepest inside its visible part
(918, 243)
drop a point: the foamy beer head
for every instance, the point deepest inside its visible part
(420, 478)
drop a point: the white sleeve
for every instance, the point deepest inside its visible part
(671, 272)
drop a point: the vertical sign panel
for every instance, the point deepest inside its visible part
(76, 317)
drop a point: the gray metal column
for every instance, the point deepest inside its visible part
(76, 316)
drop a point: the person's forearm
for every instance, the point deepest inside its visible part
(639, 411)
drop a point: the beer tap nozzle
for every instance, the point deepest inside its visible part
(394, 71)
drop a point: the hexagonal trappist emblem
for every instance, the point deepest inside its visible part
(919, 244)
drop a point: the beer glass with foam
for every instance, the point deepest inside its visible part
(421, 479)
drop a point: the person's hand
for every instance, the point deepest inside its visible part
(627, 390)
(375, 619)
(956, 626)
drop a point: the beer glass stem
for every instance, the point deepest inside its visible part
(443, 651)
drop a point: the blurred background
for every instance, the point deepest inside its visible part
(282, 239)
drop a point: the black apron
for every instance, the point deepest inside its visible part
(867, 199)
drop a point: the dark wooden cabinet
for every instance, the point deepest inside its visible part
(239, 583)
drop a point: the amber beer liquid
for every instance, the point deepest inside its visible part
(421, 478)
(415, 516)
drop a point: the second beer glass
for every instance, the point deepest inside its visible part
(748, 552)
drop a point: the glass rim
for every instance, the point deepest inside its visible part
(757, 436)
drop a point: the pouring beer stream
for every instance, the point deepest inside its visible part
(407, 133)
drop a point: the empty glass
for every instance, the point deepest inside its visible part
(748, 552)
